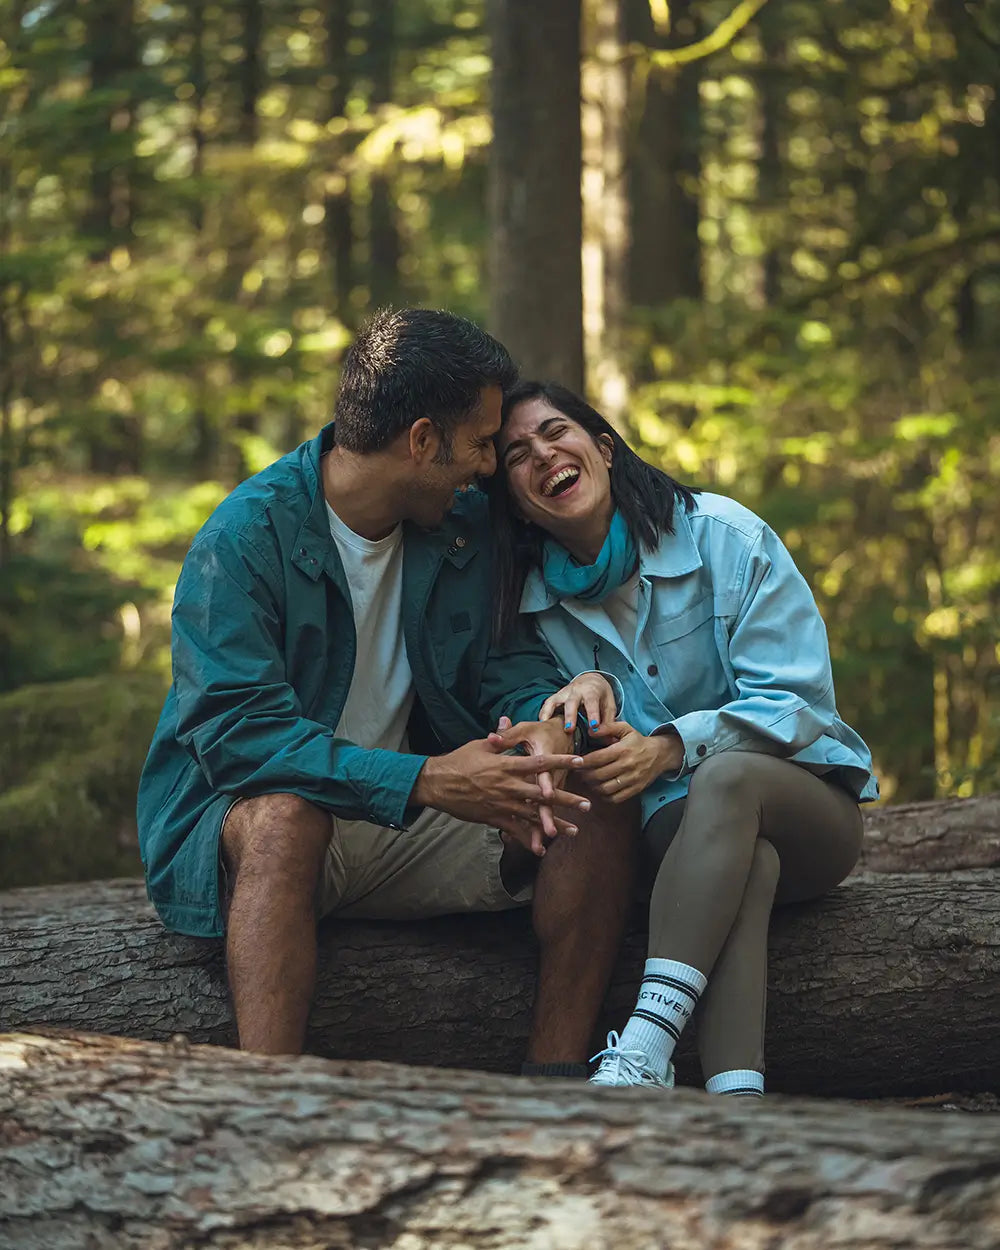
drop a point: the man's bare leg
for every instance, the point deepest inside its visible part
(581, 904)
(273, 849)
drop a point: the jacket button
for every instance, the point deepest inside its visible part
(631, 669)
(459, 542)
(652, 670)
(702, 749)
(303, 552)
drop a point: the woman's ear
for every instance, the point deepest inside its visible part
(607, 448)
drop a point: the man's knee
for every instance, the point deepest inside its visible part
(281, 834)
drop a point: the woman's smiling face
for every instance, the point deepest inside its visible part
(557, 474)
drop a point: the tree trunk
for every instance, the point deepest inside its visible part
(113, 52)
(337, 221)
(604, 182)
(922, 949)
(250, 73)
(534, 198)
(932, 837)
(383, 232)
(665, 171)
(125, 1145)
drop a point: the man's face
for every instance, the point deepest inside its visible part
(472, 456)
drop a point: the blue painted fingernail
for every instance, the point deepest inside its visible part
(568, 725)
(593, 724)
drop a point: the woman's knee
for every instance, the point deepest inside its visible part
(765, 869)
(729, 778)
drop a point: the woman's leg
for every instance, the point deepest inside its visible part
(734, 1007)
(745, 815)
(814, 826)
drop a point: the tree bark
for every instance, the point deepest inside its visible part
(604, 184)
(891, 985)
(665, 170)
(338, 225)
(932, 837)
(383, 231)
(125, 1145)
(534, 196)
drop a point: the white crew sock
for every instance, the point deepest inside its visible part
(667, 996)
(743, 1081)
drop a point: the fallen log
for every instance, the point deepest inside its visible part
(890, 985)
(932, 837)
(124, 1145)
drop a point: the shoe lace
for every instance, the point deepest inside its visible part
(618, 1062)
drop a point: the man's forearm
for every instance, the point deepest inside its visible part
(429, 788)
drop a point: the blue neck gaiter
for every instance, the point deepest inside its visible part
(591, 582)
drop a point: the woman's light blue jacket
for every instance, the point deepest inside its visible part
(730, 650)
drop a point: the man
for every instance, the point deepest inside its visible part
(325, 746)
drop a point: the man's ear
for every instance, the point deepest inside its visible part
(425, 441)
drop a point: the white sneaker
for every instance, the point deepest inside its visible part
(627, 1067)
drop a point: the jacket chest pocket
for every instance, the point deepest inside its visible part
(458, 649)
(688, 659)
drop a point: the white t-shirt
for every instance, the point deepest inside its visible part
(381, 695)
(622, 608)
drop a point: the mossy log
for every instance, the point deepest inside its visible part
(890, 985)
(131, 1146)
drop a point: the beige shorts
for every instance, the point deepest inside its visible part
(437, 866)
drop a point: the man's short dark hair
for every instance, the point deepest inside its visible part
(411, 363)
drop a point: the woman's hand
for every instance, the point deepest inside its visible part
(632, 761)
(589, 689)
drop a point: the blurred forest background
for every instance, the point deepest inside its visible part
(764, 236)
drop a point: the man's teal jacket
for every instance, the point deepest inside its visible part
(263, 654)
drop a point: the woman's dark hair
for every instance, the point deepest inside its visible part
(645, 496)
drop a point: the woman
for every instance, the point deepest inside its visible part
(748, 779)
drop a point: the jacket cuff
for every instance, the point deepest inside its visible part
(387, 785)
(700, 736)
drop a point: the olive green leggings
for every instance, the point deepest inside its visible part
(752, 831)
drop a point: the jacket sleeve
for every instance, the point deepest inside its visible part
(780, 659)
(518, 677)
(239, 717)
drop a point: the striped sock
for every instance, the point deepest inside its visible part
(742, 1081)
(667, 996)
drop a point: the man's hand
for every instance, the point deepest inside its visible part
(539, 738)
(589, 689)
(480, 782)
(632, 761)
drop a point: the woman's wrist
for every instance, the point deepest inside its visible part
(670, 749)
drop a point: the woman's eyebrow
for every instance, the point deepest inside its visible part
(523, 442)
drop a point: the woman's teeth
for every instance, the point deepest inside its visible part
(564, 475)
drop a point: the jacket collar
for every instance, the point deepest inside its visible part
(313, 543)
(676, 555)
(315, 551)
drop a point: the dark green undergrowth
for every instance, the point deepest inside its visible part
(70, 757)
